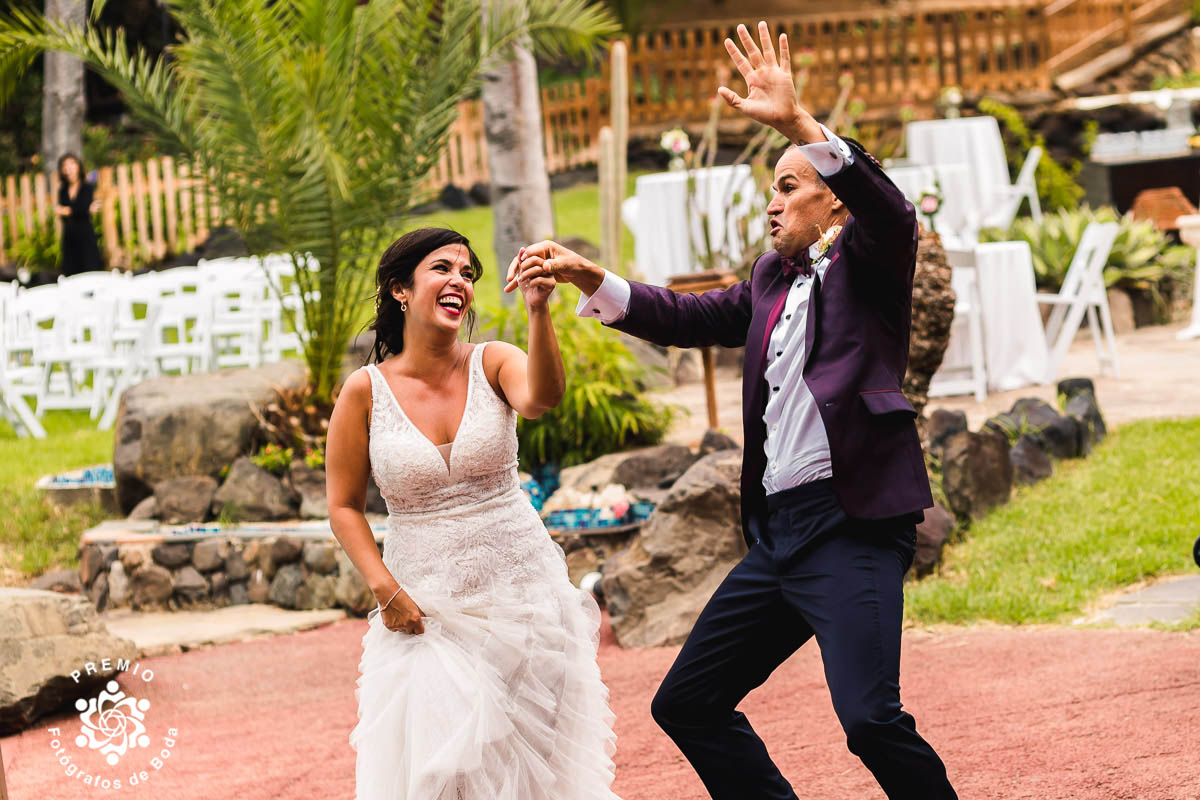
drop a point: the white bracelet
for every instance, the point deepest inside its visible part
(390, 599)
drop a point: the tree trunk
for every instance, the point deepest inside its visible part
(520, 190)
(63, 100)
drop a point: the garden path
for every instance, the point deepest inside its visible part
(1048, 713)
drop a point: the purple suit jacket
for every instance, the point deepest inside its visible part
(858, 332)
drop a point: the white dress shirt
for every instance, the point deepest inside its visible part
(796, 446)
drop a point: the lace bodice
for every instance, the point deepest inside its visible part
(460, 529)
(410, 471)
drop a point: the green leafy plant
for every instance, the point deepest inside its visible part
(1056, 184)
(273, 459)
(1142, 257)
(38, 250)
(230, 515)
(603, 410)
(317, 121)
(314, 458)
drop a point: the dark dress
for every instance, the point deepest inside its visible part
(80, 250)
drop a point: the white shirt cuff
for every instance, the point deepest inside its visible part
(610, 303)
(829, 157)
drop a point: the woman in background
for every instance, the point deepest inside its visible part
(76, 204)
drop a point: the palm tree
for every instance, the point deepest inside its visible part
(512, 124)
(316, 121)
(63, 102)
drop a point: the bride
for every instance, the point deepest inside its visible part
(478, 673)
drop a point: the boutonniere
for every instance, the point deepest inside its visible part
(826, 241)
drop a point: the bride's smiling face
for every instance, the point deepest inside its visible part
(443, 288)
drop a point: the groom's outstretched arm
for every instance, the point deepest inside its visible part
(649, 312)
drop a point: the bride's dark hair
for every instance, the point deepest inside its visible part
(397, 266)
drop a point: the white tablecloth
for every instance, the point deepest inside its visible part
(667, 233)
(974, 141)
(1014, 341)
(957, 221)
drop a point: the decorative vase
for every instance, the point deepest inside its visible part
(676, 164)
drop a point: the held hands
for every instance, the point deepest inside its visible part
(402, 614)
(551, 263)
(535, 286)
(771, 93)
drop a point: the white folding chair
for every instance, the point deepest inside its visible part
(1083, 292)
(19, 383)
(67, 352)
(1023, 188)
(131, 366)
(963, 369)
(180, 342)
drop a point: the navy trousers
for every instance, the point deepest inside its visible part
(812, 572)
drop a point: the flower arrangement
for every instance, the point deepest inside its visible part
(950, 100)
(929, 203)
(676, 143)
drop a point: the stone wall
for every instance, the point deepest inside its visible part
(214, 570)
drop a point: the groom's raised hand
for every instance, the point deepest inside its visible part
(548, 259)
(770, 91)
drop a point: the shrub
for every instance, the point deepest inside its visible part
(602, 410)
(1056, 185)
(273, 459)
(1142, 258)
(38, 250)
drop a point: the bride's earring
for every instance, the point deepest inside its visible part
(403, 306)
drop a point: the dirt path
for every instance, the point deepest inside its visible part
(1051, 714)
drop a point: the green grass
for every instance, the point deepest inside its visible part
(1129, 511)
(35, 535)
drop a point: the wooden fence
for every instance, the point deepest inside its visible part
(147, 209)
(907, 53)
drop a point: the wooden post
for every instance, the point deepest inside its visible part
(108, 213)
(154, 188)
(10, 202)
(42, 217)
(124, 197)
(710, 385)
(3, 785)
(185, 207)
(169, 190)
(27, 204)
(699, 283)
(139, 205)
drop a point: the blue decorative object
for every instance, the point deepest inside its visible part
(92, 476)
(593, 518)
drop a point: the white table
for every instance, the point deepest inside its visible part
(956, 221)
(1014, 341)
(974, 141)
(667, 233)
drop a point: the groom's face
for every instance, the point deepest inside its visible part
(801, 206)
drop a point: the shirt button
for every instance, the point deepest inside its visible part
(778, 352)
(774, 388)
(789, 316)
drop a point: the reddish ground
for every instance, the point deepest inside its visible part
(1030, 713)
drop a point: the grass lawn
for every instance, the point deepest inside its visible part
(35, 535)
(1129, 511)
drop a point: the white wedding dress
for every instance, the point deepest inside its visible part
(501, 697)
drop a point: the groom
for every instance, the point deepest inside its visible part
(833, 478)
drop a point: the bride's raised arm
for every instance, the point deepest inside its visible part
(533, 382)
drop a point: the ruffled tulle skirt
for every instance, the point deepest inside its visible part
(499, 699)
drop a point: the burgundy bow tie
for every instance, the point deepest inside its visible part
(796, 266)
